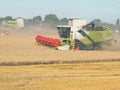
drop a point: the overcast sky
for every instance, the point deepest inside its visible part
(106, 10)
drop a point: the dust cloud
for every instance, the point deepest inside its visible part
(31, 30)
(114, 45)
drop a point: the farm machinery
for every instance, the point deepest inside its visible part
(78, 35)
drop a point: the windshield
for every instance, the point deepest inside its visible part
(64, 32)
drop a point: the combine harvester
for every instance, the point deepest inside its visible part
(78, 35)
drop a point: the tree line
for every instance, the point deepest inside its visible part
(49, 20)
(52, 20)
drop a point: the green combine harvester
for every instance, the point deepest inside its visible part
(11, 23)
(78, 35)
(16, 23)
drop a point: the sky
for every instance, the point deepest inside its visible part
(106, 10)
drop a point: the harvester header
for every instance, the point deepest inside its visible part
(47, 41)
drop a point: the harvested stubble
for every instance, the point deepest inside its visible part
(87, 76)
(22, 50)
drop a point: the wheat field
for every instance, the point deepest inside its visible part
(83, 76)
(26, 66)
(23, 50)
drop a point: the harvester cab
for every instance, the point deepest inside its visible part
(64, 31)
(68, 31)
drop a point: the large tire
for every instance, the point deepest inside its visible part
(78, 46)
(97, 47)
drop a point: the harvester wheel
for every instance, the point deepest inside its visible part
(97, 47)
(77, 46)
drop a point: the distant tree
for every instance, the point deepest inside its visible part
(1, 21)
(28, 22)
(118, 25)
(64, 21)
(118, 22)
(37, 20)
(51, 20)
(97, 21)
(8, 18)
